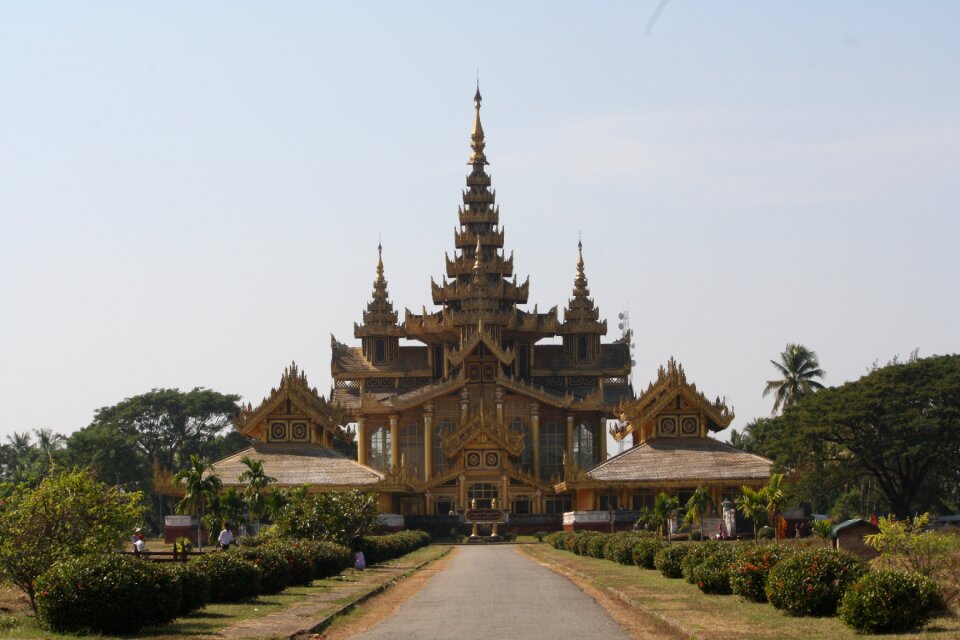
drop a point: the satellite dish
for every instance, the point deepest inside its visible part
(620, 326)
(633, 363)
(620, 315)
(633, 346)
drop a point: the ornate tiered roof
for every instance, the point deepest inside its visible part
(293, 388)
(379, 319)
(581, 316)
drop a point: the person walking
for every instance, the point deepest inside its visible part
(226, 537)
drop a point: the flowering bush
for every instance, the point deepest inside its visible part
(596, 545)
(619, 547)
(231, 577)
(644, 551)
(885, 601)
(712, 575)
(667, 560)
(749, 571)
(812, 582)
(106, 593)
(697, 554)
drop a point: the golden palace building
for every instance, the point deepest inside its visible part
(484, 403)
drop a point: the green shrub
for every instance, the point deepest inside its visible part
(886, 601)
(194, 587)
(619, 547)
(558, 539)
(644, 551)
(231, 577)
(581, 542)
(510, 536)
(749, 571)
(325, 559)
(766, 533)
(377, 549)
(108, 593)
(596, 545)
(697, 554)
(712, 575)
(540, 535)
(275, 573)
(667, 560)
(299, 556)
(812, 582)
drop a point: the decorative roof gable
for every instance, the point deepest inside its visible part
(294, 389)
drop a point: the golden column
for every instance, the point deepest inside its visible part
(427, 442)
(362, 440)
(601, 429)
(462, 491)
(394, 441)
(535, 434)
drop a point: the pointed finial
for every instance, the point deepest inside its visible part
(477, 142)
(477, 253)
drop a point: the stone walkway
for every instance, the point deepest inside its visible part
(307, 614)
(496, 592)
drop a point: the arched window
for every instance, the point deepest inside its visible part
(380, 454)
(583, 447)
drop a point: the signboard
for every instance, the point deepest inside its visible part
(179, 521)
(483, 515)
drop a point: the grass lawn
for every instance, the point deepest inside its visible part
(712, 616)
(22, 624)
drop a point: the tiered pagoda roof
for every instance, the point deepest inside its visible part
(581, 316)
(379, 319)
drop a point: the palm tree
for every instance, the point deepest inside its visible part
(257, 480)
(776, 499)
(49, 443)
(696, 506)
(274, 502)
(664, 509)
(231, 507)
(200, 486)
(800, 368)
(822, 529)
(753, 505)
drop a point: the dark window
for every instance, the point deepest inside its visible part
(438, 361)
(582, 348)
(379, 350)
(608, 502)
(521, 505)
(524, 362)
(557, 504)
(443, 505)
(642, 499)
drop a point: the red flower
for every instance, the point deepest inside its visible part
(44, 593)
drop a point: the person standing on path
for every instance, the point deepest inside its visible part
(226, 537)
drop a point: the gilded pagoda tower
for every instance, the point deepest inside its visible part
(472, 407)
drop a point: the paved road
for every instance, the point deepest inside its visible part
(496, 593)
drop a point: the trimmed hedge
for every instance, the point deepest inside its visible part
(377, 549)
(696, 555)
(667, 560)
(886, 601)
(749, 572)
(644, 551)
(812, 582)
(273, 562)
(109, 593)
(231, 577)
(194, 586)
(619, 546)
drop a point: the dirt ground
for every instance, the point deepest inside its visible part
(13, 602)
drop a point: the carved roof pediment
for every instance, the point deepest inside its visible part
(293, 388)
(479, 430)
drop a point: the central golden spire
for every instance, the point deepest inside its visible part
(477, 143)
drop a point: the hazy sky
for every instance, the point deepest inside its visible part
(191, 193)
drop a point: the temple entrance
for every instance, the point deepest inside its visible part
(484, 493)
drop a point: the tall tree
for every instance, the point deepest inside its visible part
(201, 488)
(800, 370)
(257, 481)
(899, 424)
(664, 509)
(752, 504)
(169, 425)
(776, 500)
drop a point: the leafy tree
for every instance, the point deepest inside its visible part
(335, 516)
(202, 488)
(168, 425)
(696, 506)
(230, 508)
(909, 545)
(22, 460)
(800, 370)
(274, 502)
(753, 505)
(69, 514)
(899, 425)
(257, 481)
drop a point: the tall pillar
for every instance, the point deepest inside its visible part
(499, 400)
(427, 441)
(462, 492)
(569, 447)
(464, 405)
(395, 441)
(535, 434)
(602, 430)
(361, 440)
